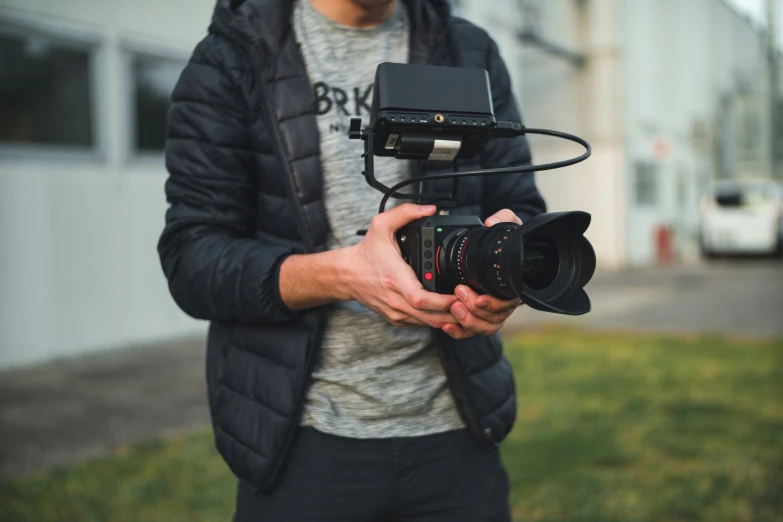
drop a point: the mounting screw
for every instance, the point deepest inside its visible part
(439, 118)
(403, 239)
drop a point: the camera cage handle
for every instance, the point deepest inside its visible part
(445, 200)
(355, 132)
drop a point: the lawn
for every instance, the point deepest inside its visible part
(611, 427)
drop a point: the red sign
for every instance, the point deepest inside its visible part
(662, 149)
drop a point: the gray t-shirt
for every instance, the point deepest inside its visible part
(374, 380)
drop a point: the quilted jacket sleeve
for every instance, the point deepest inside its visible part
(215, 269)
(517, 192)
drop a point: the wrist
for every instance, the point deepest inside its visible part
(330, 273)
(310, 280)
(343, 274)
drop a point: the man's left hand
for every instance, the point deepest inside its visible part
(481, 314)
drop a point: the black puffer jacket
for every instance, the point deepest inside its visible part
(245, 191)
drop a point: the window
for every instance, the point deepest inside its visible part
(646, 184)
(777, 137)
(749, 129)
(750, 135)
(152, 80)
(744, 193)
(46, 91)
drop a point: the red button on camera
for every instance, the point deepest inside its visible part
(428, 276)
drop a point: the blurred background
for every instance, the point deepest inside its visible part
(664, 403)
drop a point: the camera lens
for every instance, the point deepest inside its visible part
(485, 258)
(541, 262)
(546, 262)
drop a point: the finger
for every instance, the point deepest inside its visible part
(502, 216)
(472, 322)
(433, 319)
(484, 306)
(457, 332)
(400, 319)
(396, 317)
(498, 306)
(469, 298)
(397, 217)
(417, 297)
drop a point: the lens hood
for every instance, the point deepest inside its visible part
(556, 261)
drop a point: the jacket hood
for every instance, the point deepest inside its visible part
(267, 22)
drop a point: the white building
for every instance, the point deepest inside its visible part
(83, 92)
(84, 85)
(672, 93)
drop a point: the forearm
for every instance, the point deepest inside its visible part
(310, 280)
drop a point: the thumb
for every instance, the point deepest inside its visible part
(502, 216)
(397, 217)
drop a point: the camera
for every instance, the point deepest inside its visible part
(546, 261)
(418, 114)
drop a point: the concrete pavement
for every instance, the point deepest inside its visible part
(67, 411)
(738, 297)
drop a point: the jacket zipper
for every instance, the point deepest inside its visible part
(278, 144)
(280, 457)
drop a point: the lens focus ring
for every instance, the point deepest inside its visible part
(460, 257)
(472, 263)
(488, 260)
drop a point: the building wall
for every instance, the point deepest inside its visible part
(79, 270)
(587, 101)
(677, 85)
(695, 77)
(673, 94)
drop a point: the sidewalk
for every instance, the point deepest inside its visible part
(743, 297)
(67, 411)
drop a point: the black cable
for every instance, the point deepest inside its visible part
(392, 192)
(455, 185)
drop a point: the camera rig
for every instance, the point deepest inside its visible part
(441, 114)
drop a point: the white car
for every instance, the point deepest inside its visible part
(742, 217)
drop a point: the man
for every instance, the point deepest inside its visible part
(339, 388)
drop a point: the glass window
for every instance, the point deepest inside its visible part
(744, 194)
(750, 134)
(777, 137)
(153, 78)
(646, 184)
(45, 91)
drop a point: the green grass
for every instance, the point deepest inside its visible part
(611, 427)
(630, 428)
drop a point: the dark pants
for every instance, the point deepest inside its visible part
(439, 478)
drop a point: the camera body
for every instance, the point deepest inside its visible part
(546, 261)
(422, 244)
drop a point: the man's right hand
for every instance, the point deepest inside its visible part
(371, 272)
(383, 282)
